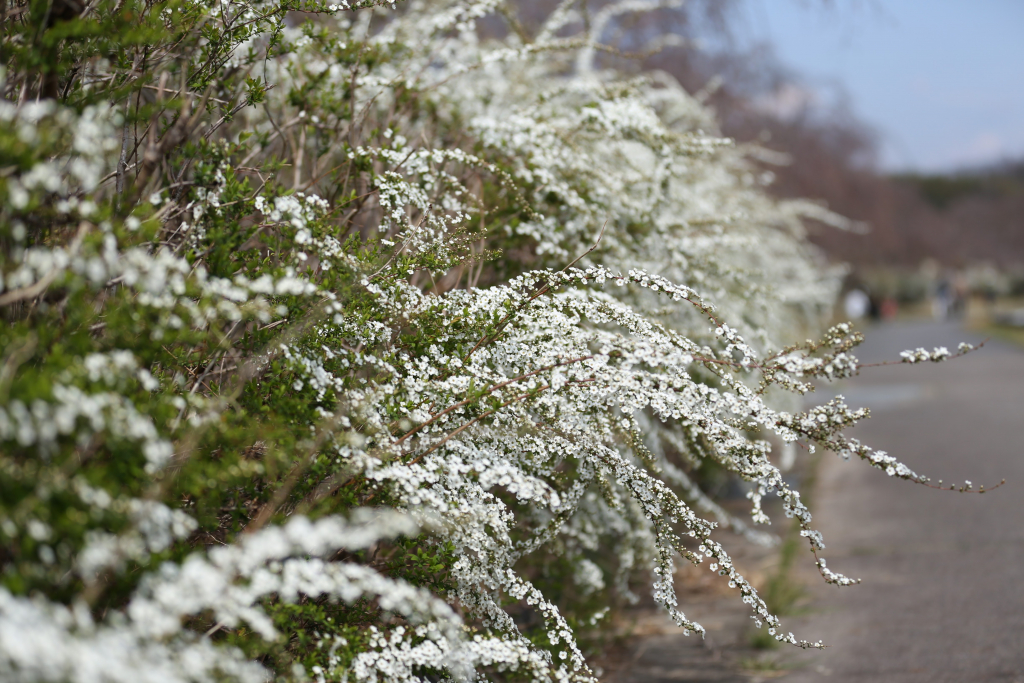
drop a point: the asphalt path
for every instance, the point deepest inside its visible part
(942, 593)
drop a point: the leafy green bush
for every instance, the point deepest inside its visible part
(344, 343)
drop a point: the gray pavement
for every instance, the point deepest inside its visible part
(942, 597)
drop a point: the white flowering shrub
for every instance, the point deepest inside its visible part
(342, 343)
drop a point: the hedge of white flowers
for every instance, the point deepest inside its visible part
(343, 342)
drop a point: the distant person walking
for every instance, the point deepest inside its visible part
(889, 309)
(857, 304)
(943, 299)
(950, 297)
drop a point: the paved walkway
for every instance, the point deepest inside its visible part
(942, 597)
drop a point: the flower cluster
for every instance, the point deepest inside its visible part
(920, 355)
(376, 347)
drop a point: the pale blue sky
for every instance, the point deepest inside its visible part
(942, 81)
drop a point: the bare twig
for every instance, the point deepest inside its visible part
(34, 290)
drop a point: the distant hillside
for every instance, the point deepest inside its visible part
(994, 183)
(956, 219)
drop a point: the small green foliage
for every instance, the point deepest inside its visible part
(342, 342)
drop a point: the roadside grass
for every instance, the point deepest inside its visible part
(782, 592)
(1011, 335)
(765, 667)
(982, 318)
